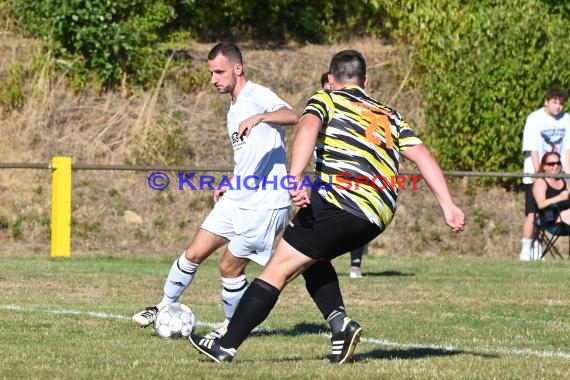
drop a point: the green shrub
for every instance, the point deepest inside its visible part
(16, 229)
(114, 39)
(279, 21)
(4, 223)
(11, 90)
(482, 67)
(120, 208)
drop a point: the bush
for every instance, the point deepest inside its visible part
(101, 43)
(279, 21)
(115, 40)
(482, 68)
(11, 90)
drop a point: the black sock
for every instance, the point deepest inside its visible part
(336, 320)
(254, 307)
(322, 284)
(356, 256)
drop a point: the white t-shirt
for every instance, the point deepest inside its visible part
(544, 133)
(259, 158)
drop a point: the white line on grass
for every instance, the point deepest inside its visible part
(374, 341)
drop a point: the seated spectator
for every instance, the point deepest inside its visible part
(549, 191)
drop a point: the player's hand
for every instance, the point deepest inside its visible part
(219, 193)
(245, 126)
(454, 218)
(300, 198)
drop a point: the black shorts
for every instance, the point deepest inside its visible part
(529, 202)
(324, 231)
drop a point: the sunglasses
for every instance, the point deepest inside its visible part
(553, 163)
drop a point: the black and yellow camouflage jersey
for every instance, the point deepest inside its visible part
(358, 152)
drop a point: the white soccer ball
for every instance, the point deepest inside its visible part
(175, 321)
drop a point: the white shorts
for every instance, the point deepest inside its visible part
(251, 232)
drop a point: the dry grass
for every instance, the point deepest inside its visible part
(168, 125)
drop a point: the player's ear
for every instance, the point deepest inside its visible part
(366, 83)
(238, 69)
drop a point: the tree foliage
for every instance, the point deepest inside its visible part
(280, 21)
(483, 67)
(116, 38)
(110, 38)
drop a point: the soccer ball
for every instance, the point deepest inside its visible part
(175, 321)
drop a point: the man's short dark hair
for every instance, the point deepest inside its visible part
(349, 66)
(228, 50)
(557, 93)
(324, 79)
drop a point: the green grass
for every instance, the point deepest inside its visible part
(450, 318)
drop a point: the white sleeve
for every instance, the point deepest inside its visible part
(531, 135)
(566, 143)
(268, 100)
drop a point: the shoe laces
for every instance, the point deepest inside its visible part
(149, 311)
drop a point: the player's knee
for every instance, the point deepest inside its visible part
(230, 269)
(192, 258)
(195, 256)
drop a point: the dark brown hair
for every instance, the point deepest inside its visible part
(324, 79)
(557, 93)
(228, 50)
(544, 158)
(349, 66)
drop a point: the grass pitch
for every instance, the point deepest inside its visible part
(450, 318)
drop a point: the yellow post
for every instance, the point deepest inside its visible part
(61, 207)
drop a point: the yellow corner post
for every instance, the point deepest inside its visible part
(61, 207)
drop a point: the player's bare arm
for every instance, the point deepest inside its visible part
(302, 151)
(535, 160)
(432, 174)
(282, 116)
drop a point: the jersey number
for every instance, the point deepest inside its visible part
(375, 121)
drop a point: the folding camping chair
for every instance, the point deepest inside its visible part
(548, 228)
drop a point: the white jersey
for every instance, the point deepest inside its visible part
(259, 173)
(544, 133)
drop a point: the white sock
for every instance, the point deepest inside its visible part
(526, 249)
(179, 278)
(536, 253)
(233, 290)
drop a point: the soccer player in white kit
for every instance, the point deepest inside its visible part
(253, 208)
